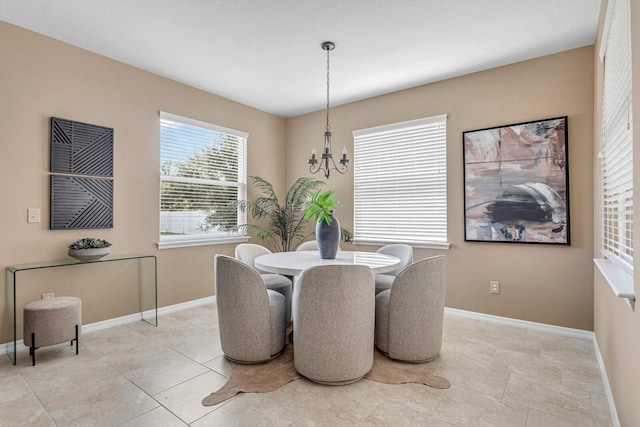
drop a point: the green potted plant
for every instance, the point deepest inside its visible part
(320, 207)
(89, 249)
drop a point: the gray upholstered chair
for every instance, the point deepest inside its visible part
(384, 281)
(333, 321)
(311, 245)
(409, 316)
(251, 317)
(247, 253)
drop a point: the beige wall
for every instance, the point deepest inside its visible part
(40, 78)
(617, 327)
(542, 283)
(44, 78)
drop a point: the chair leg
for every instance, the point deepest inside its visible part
(76, 339)
(32, 349)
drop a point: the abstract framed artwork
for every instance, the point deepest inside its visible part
(516, 180)
(81, 148)
(82, 175)
(81, 202)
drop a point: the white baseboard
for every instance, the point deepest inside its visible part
(607, 387)
(541, 327)
(185, 305)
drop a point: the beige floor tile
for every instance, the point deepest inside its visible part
(197, 344)
(185, 400)
(587, 378)
(474, 375)
(18, 405)
(550, 397)
(204, 316)
(528, 364)
(541, 419)
(417, 397)
(559, 341)
(600, 409)
(167, 325)
(464, 407)
(113, 406)
(570, 356)
(7, 369)
(221, 365)
(158, 417)
(113, 340)
(495, 330)
(256, 409)
(398, 415)
(477, 350)
(58, 384)
(155, 368)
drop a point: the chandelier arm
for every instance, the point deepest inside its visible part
(326, 163)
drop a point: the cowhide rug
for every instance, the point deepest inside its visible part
(270, 376)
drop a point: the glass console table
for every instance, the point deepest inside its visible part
(147, 288)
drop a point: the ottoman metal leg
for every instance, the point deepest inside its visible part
(32, 349)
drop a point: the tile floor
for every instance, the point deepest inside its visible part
(139, 375)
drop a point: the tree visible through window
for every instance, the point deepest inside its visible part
(202, 169)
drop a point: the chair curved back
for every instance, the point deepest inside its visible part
(248, 252)
(244, 313)
(416, 310)
(333, 317)
(402, 251)
(311, 245)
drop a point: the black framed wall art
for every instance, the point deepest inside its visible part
(516, 180)
(81, 175)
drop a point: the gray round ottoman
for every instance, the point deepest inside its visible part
(51, 321)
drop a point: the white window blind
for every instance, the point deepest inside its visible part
(617, 141)
(400, 183)
(202, 170)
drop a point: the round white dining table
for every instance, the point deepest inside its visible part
(292, 263)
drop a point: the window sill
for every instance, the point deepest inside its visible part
(171, 244)
(621, 283)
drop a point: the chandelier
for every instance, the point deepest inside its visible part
(326, 163)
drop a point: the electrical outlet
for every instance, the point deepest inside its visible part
(47, 296)
(494, 287)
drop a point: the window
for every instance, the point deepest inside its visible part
(400, 183)
(617, 140)
(202, 171)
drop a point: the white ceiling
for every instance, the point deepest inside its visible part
(267, 54)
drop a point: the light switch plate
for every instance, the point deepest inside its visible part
(33, 215)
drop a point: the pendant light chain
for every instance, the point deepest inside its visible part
(328, 127)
